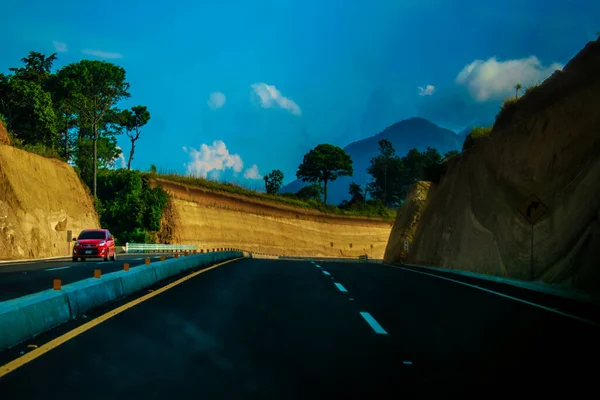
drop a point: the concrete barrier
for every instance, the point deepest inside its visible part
(28, 316)
(137, 279)
(93, 292)
(31, 315)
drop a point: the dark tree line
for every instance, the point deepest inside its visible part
(392, 175)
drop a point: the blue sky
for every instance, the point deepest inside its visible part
(234, 83)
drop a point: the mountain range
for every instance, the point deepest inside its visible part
(405, 135)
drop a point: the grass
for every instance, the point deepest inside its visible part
(477, 134)
(509, 104)
(42, 150)
(529, 88)
(234, 188)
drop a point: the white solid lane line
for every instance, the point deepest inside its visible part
(326, 273)
(57, 268)
(564, 314)
(372, 323)
(340, 287)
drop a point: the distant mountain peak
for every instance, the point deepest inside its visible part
(404, 135)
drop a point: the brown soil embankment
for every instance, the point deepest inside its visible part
(4, 138)
(211, 219)
(40, 200)
(548, 144)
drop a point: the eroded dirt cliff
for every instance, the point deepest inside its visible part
(407, 221)
(548, 144)
(4, 138)
(210, 219)
(40, 200)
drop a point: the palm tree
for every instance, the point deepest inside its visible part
(517, 88)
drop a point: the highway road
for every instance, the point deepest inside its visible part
(25, 277)
(258, 329)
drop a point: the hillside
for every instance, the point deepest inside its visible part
(405, 135)
(547, 143)
(209, 218)
(40, 200)
(4, 138)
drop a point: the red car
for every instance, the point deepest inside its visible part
(94, 243)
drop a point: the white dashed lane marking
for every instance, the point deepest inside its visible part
(57, 268)
(341, 288)
(373, 323)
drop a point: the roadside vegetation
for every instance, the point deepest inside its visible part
(73, 114)
(477, 135)
(290, 199)
(128, 205)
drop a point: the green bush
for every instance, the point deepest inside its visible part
(508, 106)
(477, 135)
(41, 150)
(529, 88)
(129, 206)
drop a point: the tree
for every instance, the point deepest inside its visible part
(325, 163)
(313, 191)
(273, 181)
(37, 67)
(449, 154)
(66, 120)
(387, 172)
(107, 151)
(517, 88)
(356, 193)
(28, 110)
(132, 121)
(94, 88)
(130, 206)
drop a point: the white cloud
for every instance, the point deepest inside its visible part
(216, 100)
(211, 158)
(427, 90)
(60, 47)
(102, 54)
(270, 97)
(120, 158)
(252, 173)
(493, 79)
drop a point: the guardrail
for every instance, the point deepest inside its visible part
(143, 248)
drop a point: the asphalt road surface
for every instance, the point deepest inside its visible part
(258, 329)
(25, 277)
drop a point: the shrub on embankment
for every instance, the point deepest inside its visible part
(368, 210)
(129, 206)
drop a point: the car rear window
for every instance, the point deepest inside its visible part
(92, 235)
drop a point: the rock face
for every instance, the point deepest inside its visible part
(407, 221)
(547, 144)
(210, 219)
(4, 138)
(40, 200)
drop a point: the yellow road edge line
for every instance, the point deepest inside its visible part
(54, 343)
